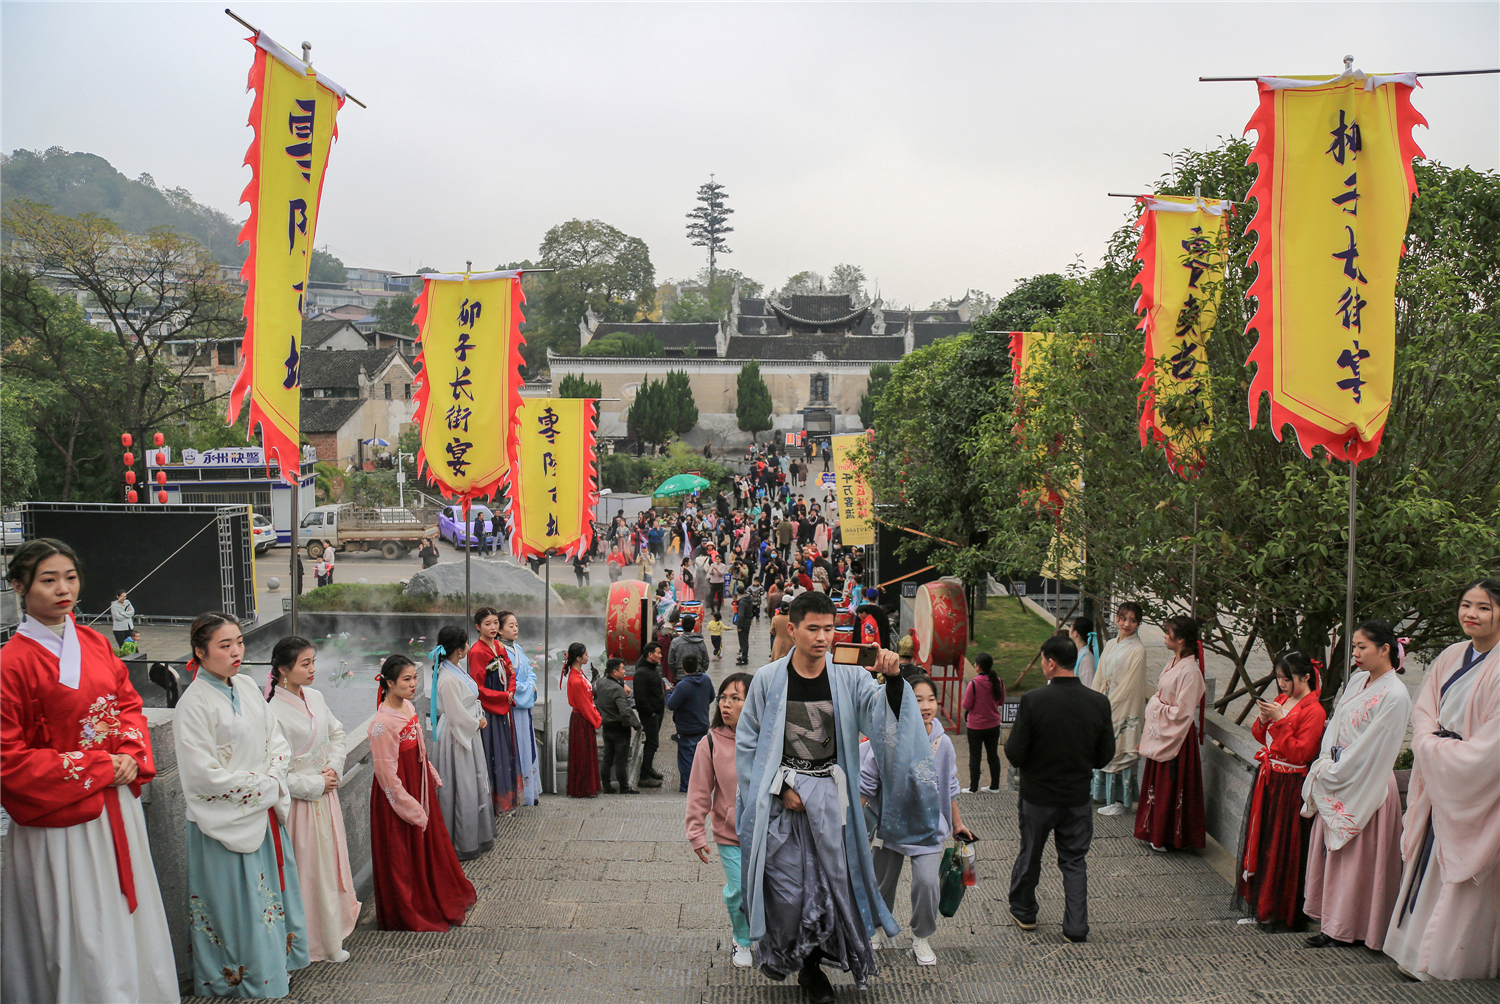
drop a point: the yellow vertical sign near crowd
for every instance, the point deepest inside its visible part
(856, 504)
(1181, 279)
(470, 388)
(294, 118)
(555, 488)
(1333, 197)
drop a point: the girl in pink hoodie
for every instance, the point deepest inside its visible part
(712, 787)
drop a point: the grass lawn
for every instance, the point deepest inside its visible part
(1011, 634)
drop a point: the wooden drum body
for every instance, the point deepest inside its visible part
(624, 625)
(942, 623)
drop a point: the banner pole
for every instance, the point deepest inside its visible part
(1193, 607)
(1349, 597)
(296, 520)
(468, 551)
(550, 786)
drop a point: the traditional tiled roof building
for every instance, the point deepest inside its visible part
(815, 353)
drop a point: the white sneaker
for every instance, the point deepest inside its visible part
(990, 791)
(877, 941)
(340, 956)
(741, 958)
(966, 791)
(1112, 809)
(923, 951)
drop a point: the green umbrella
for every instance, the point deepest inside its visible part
(681, 484)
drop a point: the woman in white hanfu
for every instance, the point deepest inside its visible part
(1354, 858)
(316, 825)
(81, 912)
(1445, 925)
(244, 893)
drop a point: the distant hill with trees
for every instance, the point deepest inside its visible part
(76, 183)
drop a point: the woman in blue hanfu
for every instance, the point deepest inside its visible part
(520, 707)
(810, 890)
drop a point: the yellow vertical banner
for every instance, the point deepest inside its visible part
(470, 364)
(856, 503)
(1333, 196)
(294, 116)
(556, 487)
(1182, 251)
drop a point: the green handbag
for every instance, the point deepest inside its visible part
(950, 882)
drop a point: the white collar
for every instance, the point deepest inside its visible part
(65, 649)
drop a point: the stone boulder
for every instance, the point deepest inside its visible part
(487, 577)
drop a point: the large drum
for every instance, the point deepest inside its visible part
(623, 626)
(942, 623)
(843, 626)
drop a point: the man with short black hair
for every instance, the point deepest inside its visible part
(1062, 734)
(810, 890)
(651, 704)
(618, 719)
(691, 700)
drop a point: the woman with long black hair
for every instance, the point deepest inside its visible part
(983, 698)
(583, 752)
(468, 807)
(1171, 814)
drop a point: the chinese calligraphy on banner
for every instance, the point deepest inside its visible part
(1333, 196)
(294, 118)
(555, 488)
(470, 363)
(1181, 280)
(856, 504)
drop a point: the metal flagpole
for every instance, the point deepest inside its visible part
(305, 48)
(1349, 598)
(296, 520)
(468, 550)
(549, 779)
(1193, 609)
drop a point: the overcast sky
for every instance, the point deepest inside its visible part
(938, 146)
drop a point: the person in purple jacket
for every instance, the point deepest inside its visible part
(983, 698)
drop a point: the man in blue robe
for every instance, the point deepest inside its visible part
(810, 891)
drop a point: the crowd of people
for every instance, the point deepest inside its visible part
(816, 782)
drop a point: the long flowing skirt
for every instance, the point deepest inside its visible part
(1352, 890)
(1449, 930)
(1273, 890)
(1171, 811)
(245, 916)
(526, 755)
(500, 753)
(322, 853)
(809, 900)
(464, 797)
(583, 758)
(69, 933)
(419, 884)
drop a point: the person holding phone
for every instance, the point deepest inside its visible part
(1273, 854)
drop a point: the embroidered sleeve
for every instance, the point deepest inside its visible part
(37, 780)
(385, 752)
(205, 779)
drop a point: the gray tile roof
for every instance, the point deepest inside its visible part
(340, 370)
(315, 333)
(671, 336)
(328, 414)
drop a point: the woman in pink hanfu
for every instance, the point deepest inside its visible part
(1354, 859)
(1445, 923)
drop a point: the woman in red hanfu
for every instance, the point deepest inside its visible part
(1170, 815)
(1273, 856)
(419, 884)
(79, 902)
(583, 751)
(490, 668)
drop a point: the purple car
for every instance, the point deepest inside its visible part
(451, 526)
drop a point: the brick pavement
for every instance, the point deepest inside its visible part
(600, 901)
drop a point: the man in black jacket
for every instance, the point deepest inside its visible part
(1063, 733)
(618, 719)
(651, 704)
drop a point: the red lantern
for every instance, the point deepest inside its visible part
(125, 439)
(161, 477)
(130, 477)
(161, 497)
(158, 439)
(131, 496)
(161, 458)
(130, 460)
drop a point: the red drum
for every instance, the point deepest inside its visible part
(622, 620)
(942, 623)
(843, 633)
(843, 618)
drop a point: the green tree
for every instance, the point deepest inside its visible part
(598, 268)
(880, 375)
(651, 418)
(694, 305)
(802, 282)
(326, 268)
(572, 385)
(620, 472)
(397, 314)
(1023, 307)
(17, 444)
(752, 405)
(620, 343)
(848, 279)
(710, 223)
(681, 408)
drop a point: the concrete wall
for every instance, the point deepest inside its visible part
(1228, 774)
(166, 824)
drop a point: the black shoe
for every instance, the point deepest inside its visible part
(1081, 939)
(630, 791)
(651, 773)
(814, 983)
(650, 782)
(607, 790)
(1321, 940)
